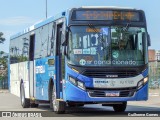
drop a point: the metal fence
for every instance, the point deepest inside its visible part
(154, 75)
(4, 83)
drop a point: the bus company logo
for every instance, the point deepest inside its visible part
(112, 83)
(115, 54)
(112, 76)
(6, 114)
(82, 62)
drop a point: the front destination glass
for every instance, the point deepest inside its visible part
(107, 46)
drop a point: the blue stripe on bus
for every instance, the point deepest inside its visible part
(82, 96)
(145, 73)
(40, 24)
(43, 74)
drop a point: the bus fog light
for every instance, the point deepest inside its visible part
(81, 85)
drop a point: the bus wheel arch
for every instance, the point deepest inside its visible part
(120, 107)
(24, 101)
(50, 89)
(58, 104)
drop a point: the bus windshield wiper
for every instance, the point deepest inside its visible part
(126, 27)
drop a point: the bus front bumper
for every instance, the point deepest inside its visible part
(75, 94)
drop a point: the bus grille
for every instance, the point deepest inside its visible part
(105, 73)
(102, 93)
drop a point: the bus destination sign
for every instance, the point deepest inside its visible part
(106, 15)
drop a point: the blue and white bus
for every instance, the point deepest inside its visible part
(86, 55)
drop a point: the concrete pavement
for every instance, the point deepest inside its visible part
(9, 102)
(4, 91)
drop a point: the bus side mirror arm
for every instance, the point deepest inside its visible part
(64, 47)
(65, 50)
(65, 37)
(148, 40)
(64, 44)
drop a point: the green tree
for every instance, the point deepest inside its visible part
(2, 39)
(3, 60)
(1, 52)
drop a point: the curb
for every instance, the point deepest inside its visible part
(154, 94)
(4, 91)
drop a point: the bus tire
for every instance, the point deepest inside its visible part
(81, 105)
(24, 101)
(50, 96)
(58, 105)
(70, 104)
(34, 105)
(120, 107)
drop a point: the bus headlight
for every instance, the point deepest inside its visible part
(142, 82)
(145, 80)
(77, 83)
(72, 80)
(81, 85)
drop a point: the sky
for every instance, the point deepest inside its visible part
(16, 15)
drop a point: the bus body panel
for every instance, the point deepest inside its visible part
(89, 81)
(82, 96)
(14, 79)
(31, 78)
(24, 76)
(37, 73)
(43, 73)
(19, 72)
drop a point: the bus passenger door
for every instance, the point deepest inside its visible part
(60, 58)
(31, 65)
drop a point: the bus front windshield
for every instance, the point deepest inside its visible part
(106, 46)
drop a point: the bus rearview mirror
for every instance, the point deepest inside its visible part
(65, 50)
(148, 40)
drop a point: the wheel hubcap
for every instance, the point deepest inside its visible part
(54, 100)
(22, 95)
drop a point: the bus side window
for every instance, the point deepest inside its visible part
(51, 35)
(14, 50)
(32, 45)
(130, 43)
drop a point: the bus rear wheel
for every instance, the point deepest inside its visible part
(58, 105)
(120, 107)
(24, 101)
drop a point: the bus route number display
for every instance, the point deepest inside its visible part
(106, 15)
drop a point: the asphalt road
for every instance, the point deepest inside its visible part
(9, 102)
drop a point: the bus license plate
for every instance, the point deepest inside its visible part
(112, 94)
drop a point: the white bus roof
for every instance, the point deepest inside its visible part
(41, 23)
(109, 7)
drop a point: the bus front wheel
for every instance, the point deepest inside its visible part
(120, 107)
(34, 105)
(58, 105)
(24, 101)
